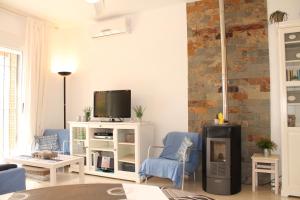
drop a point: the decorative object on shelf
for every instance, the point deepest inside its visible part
(267, 146)
(278, 16)
(291, 98)
(297, 55)
(139, 112)
(129, 137)
(47, 155)
(292, 37)
(291, 120)
(64, 74)
(87, 113)
(220, 118)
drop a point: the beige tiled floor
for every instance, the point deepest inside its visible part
(263, 193)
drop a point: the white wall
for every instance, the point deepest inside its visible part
(12, 30)
(151, 61)
(292, 7)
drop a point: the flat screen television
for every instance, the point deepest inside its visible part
(112, 104)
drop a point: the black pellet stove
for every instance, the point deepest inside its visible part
(221, 159)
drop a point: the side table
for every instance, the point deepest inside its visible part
(262, 164)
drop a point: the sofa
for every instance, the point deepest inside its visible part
(12, 179)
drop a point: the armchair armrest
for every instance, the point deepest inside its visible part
(152, 147)
(12, 180)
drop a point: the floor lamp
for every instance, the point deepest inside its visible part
(64, 74)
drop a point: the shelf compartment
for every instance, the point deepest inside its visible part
(293, 61)
(126, 143)
(102, 149)
(79, 140)
(292, 42)
(293, 106)
(126, 136)
(105, 132)
(130, 158)
(101, 140)
(292, 83)
(79, 154)
(127, 167)
(79, 133)
(292, 37)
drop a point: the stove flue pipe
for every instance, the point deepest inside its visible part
(224, 59)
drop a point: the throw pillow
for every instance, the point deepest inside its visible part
(185, 144)
(7, 166)
(49, 142)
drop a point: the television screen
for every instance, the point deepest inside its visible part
(112, 104)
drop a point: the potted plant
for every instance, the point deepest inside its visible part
(278, 16)
(87, 113)
(139, 112)
(266, 145)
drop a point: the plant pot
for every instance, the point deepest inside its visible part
(87, 117)
(267, 152)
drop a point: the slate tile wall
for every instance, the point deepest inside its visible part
(248, 69)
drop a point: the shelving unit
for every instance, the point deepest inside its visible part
(128, 147)
(289, 50)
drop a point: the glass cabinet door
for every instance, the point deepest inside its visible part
(292, 63)
(292, 56)
(293, 106)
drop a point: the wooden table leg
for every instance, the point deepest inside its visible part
(253, 176)
(52, 176)
(81, 171)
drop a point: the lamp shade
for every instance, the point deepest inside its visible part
(64, 73)
(63, 63)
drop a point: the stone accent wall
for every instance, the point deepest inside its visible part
(248, 68)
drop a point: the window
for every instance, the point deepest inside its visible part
(10, 62)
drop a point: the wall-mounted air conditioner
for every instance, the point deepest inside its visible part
(110, 27)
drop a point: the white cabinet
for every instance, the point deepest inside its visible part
(289, 51)
(127, 147)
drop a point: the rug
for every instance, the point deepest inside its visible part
(175, 194)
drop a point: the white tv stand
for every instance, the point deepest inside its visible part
(128, 147)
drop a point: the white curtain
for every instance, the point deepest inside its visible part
(35, 64)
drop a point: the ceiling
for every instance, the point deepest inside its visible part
(75, 12)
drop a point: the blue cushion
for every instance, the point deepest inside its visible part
(47, 142)
(173, 140)
(63, 138)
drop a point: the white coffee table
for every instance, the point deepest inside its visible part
(52, 165)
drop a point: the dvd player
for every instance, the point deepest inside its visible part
(103, 135)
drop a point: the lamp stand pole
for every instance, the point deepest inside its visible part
(64, 74)
(65, 102)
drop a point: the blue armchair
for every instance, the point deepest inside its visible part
(167, 164)
(12, 180)
(63, 136)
